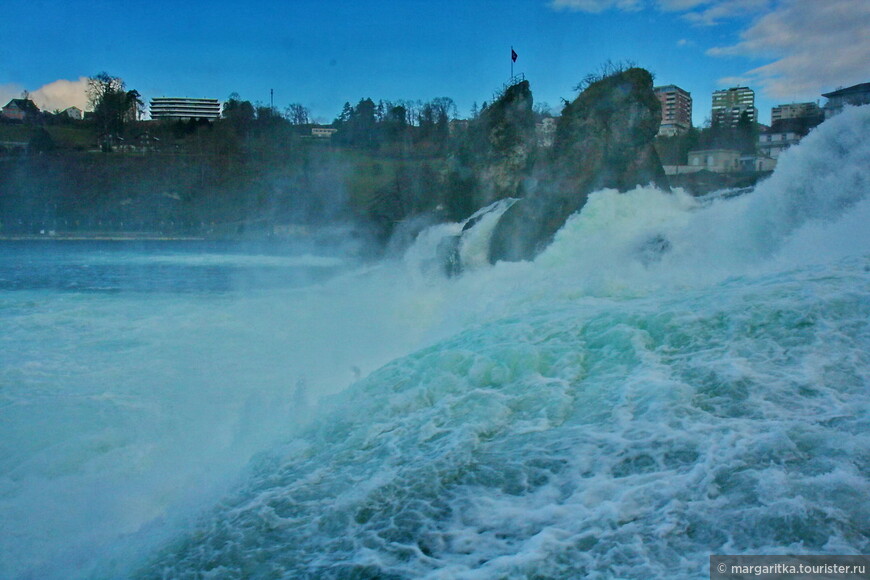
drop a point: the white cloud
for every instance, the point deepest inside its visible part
(597, 6)
(62, 94)
(57, 95)
(712, 12)
(704, 12)
(810, 45)
(815, 46)
(680, 5)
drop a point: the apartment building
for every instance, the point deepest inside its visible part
(789, 124)
(729, 106)
(184, 109)
(795, 111)
(676, 110)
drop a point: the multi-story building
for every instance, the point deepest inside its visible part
(185, 109)
(788, 125)
(794, 111)
(772, 142)
(676, 110)
(855, 95)
(730, 105)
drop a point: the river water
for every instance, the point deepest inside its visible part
(673, 378)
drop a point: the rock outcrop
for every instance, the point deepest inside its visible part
(498, 154)
(604, 139)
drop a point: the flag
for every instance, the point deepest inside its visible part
(513, 56)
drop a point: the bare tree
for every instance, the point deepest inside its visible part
(297, 114)
(113, 106)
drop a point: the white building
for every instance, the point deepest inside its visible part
(73, 113)
(184, 109)
(773, 142)
(715, 160)
(323, 132)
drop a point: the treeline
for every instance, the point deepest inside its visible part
(405, 127)
(257, 168)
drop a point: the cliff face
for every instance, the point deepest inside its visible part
(604, 139)
(499, 152)
(509, 156)
(605, 136)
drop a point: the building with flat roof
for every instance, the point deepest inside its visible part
(715, 160)
(323, 132)
(855, 96)
(729, 106)
(676, 109)
(794, 111)
(184, 109)
(772, 142)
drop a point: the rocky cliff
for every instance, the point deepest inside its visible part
(497, 155)
(604, 139)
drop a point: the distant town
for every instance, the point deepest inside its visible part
(733, 109)
(205, 168)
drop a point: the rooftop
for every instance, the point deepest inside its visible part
(861, 88)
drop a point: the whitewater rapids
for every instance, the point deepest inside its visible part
(614, 408)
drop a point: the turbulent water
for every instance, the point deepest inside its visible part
(673, 378)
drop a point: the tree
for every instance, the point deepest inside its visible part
(395, 123)
(240, 114)
(674, 150)
(267, 116)
(345, 115)
(41, 141)
(412, 110)
(296, 114)
(113, 106)
(542, 111)
(746, 133)
(357, 126)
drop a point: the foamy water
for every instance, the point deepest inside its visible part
(670, 379)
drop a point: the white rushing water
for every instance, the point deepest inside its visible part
(672, 378)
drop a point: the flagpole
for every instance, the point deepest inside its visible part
(512, 63)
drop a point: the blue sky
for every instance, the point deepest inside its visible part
(321, 53)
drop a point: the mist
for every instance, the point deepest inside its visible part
(267, 369)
